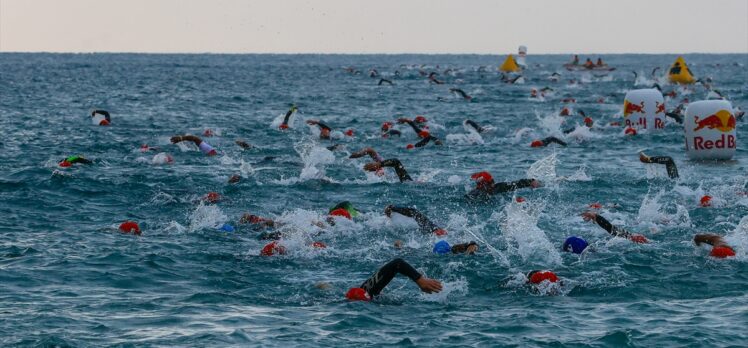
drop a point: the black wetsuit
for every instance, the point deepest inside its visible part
(399, 169)
(549, 140)
(102, 112)
(381, 81)
(379, 280)
(672, 170)
(460, 92)
(423, 222)
(288, 115)
(675, 115)
(391, 132)
(426, 140)
(501, 187)
(610, 228)
(475, 126)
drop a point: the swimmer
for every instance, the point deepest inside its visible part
(373, 73)
(101, 117)
(424, 224)
(202, 145)
(235, 179)
(677, 113)
(575, 60)
(672, 170)
(388, 131)
(347, 207)
(461, 93)
(324, 130)
(506, 79)
(284, 124)
(545, 142)
(720, 248)
(425, 135)
(381, 81)
(469, 248)
(367, 151)
(486, 187)
(433, 79)
(70, 160)
(600, 62)
(474, 125)
(615, 231)
(555, 77)
(589, 64)
(243, 144)
(379, 280)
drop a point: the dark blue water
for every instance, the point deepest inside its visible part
(68, 278)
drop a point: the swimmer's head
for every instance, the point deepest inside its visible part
(424, 134)
(341, 212)
(212, 197)
(319, 245)
(722, 252)
(706, 200)
(536, 143)
(638, 238)
(357, 294)
(347, 206)
(129, 227)
(410, 147)
(440, 232)
(283, 126)
(420, 119)
(537, 277)
(273, 248)
(630, 131)
(349, 132)
(386, 126)
(442, 247)
(252, 219)
(588, 122)
(575, 245)
(483, 179)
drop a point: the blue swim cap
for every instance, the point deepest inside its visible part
(576, 244)
(226, 228)
(442, 247)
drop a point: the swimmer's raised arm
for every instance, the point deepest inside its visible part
(394, 163)
(367, 151)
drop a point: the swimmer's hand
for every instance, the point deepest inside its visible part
(428, 285)
(589, 216)
(643, 158)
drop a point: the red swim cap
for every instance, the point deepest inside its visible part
(357, 294)
(638, 238)
(440, 232)
(596, 205)
(410, 147)
(706, 201)
(144, 148)
(386, 126)
(341, 212)
(588, 121)
(420, 119)
(630, 131)
(208, 133)
(536, 143)
(539, 277)
(520, 199)
(271, 248)
(564, 112)
(482, 177)
(283, 126)
(212, 197)
(64, 164)
(349, 132)
(423, 134)
(129, 227)
(722, 252)
(104, 122)
(319, 245)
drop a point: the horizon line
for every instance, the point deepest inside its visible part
(355, 53)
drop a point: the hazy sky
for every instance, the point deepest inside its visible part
(374, 26)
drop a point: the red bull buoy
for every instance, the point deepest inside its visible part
(644, 109)
(709, 126)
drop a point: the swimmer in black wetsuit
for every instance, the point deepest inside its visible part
(545, 142)
(461, 93)
(388, 131)
(425, 135)
(379, 280)
(324, 130)
(290, 112)
(676, 114)
(486, 187)
(424, 224)
(381, 81)
(474, 125)
(433, 79)
(615, 231)
(672, 170)
(380, 163)
(202, 145)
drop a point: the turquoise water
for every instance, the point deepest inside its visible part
(68, 278)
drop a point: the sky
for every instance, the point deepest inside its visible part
(379, 26)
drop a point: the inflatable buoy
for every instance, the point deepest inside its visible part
(680, 73)
(644, 109)
(510, 65)
(709, 127)
(521, 54)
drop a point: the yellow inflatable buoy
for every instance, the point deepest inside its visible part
(680, 73)
(510, 65)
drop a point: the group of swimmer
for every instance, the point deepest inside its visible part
(485, 188)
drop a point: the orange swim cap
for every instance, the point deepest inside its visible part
(722, 252)
(536, 143)
(130, 227)
(349, 132)
(283, 126)
(357, 294)
(319, 245)
(424, 134)
(410, 147)
(65, 164)
(706, 201)
(519, 199)
(630, 131)
(104, 122)
(271, 248)
(482, 177)
(212, 197)
(539, 277)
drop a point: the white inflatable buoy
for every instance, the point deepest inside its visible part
(710, 130)
(644, 109)
(100, 118)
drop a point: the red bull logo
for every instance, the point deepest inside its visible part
(630, 108)
(722, 121)
(724, 142)
(660, 107)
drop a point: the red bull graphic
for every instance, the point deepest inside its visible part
(660, 108)
(722, 121)
(630, 108)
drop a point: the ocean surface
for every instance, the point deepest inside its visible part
(68, 278)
